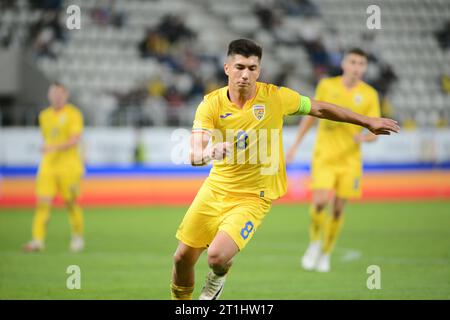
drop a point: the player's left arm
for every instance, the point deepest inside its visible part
(376, 125)
(73, 141)
(295, 104)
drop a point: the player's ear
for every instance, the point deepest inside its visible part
(226, 68)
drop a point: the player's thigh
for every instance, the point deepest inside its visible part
(243, 217)
(323, 177)
(200, 223)
(349, 184)
(46, 184)
(69, 183)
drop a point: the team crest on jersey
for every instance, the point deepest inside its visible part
(259, 110)
(358, 99)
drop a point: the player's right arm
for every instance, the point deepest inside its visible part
(202, 152)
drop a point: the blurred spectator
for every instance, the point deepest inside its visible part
(384, 80)
(318, 56)
(300, 7)
(281, 79)
(45, 32)
(156, 88)
(267, 13)
(335, 52)
(6, 36)
(108, 15)
(443, 36)
(445, 83)
(46, 4)
(173, 29)
(175, 101)
(154, 45)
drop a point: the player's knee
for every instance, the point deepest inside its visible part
(182, 258)
(216, 259)
(337, 213)
(320, 205)
(69, 203)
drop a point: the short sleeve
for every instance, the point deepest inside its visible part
(76, 124)
(290, 100)
(204, 117)
(293, 103)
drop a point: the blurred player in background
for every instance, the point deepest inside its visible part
(336, 164)
(235, 198)
(61, 167)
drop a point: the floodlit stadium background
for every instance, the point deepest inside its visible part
(138, 69)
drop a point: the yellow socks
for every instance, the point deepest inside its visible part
(317, 223)
(40, 220)
(332, 228)
(181, 293)
(76, 219)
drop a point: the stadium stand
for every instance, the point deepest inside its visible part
(137, 62)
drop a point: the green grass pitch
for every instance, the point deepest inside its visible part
(129, 251)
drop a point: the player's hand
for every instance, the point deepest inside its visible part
(221, 150)
(290, 155)
(47, 148)
(359, 138)
(382, 126)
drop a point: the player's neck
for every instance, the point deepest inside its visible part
(350, 82)
(239, 96)
(58, 108)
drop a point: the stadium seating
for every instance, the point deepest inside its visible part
(102, 60)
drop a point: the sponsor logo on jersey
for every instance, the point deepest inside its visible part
(223, 116)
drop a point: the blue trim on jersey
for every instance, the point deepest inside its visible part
(166, 170)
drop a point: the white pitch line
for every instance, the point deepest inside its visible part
(350, 255)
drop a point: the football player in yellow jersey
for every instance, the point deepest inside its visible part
(60, 169)
(336, 164)
(244, 121)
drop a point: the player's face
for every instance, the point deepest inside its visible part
(242, 72)
(354, 66)
(57, 95)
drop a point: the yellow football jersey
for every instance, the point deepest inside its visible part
(334, 144)
(58, 127)
(257, 165)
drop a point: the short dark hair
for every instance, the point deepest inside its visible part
(357, 51)
(58, 84)
(245, 48)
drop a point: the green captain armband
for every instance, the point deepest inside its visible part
(305, 106)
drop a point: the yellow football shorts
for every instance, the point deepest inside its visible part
(212, 211)
(50, 182)
(344, 181)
